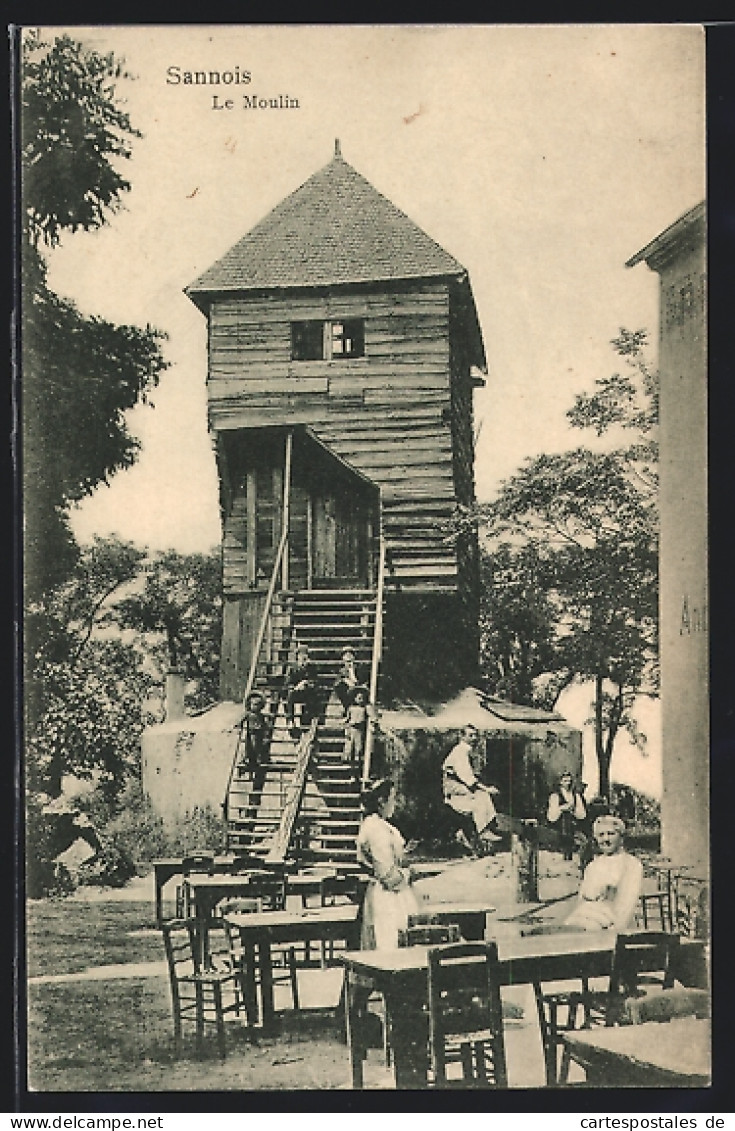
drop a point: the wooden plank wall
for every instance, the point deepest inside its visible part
(468, 561)
(389, 414)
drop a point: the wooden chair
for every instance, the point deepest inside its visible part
(643, 963)
(558, 1013)
(657, 902)
(641, 959)
(465, 1015)
(266, 891)
(200, 864)
(197, 995)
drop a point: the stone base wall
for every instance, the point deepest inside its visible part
(186, 763)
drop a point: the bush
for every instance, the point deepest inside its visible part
(202, 828)
(135, 834)
(112, 867)
(134, 831)
(47, 834)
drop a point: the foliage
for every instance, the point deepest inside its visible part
(71, 128)
(134, 830)
(84, 687)
(99, 655)
(516, 622)
(112, 867)
(573, 561)
(647, 809)
(181, 600)
(92, 719)
(44, 842)
(79, 374)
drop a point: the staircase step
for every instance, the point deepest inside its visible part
(320, 594)
(255, 823)
(340, 855)
(360, 613)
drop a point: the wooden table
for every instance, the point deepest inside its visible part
(658, 1054)
(260, 930)
(401, 977)
(168, 867)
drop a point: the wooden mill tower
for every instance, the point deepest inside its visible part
(344, 345)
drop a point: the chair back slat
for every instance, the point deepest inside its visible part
(198, 863)
(429, 934)
(650, 953)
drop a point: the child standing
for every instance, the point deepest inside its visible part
(356, 727)
(257, 728)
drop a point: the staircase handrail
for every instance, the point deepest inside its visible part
(375, 665)
(282, 838)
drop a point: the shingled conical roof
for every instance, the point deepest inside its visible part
(335, 229)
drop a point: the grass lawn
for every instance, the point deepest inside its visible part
(115, 1034)
(65, 936)
(108, 1031)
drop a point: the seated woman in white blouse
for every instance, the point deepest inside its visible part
(611, 884)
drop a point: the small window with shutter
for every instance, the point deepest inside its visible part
(334, 340)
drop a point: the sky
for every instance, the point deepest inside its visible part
(541, 157)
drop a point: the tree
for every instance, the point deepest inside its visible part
(79, 375)
(516, 622)
(180, 602)
(106, 645)
(584, 523)
(72, 128)
(83, 700)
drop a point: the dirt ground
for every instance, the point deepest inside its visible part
(99, 1014)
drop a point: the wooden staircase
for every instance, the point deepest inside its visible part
(326, 827)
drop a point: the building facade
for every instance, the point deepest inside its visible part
(678, 256)
(338, 327)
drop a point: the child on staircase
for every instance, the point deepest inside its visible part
(357, 716)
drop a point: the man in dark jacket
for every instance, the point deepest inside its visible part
(350, 676)
(302, 686)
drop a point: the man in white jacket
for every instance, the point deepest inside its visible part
(466, 795)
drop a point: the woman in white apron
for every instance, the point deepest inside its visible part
(389, 898)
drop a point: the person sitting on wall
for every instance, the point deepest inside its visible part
(567, 812)
(350, 676)
(468, 797)
(257, 731)
(302, 686)
(611, 884)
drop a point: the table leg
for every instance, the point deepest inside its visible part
(410, 1041)
(356, 998)
(203, 914)
(249, 986)
(266, 984)
(159, 882)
